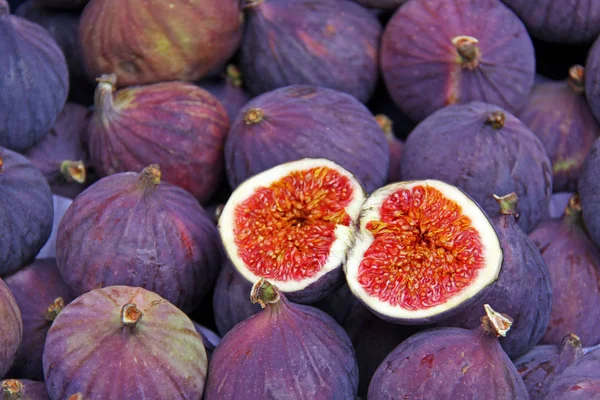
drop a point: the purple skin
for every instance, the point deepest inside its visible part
(38, 289)
(131, 229)
(558, 202)
(96, 349)
(26, 211)
(381, 4)
(285, 351)
(592, 78)
(208, 346)
(64, 145)
(340, 305)
(580, 381)
(35, 83)
(589, 190)
(396, 148)
(540, 365)
(424, 71)
(23, 389)
(228, 90)
(574, 265)
(460, 144)
(330, 44)
(11, 328)
(306, 122)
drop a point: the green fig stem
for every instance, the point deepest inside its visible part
(263, 293)
(508, 204)
(468, 51)
(494, 323)
(150, 176)
(4, 8)
(251, 3)
(254, 116)
(131, 315)
(73, 171)
(54, 309)
(103, 96)
(233, 75)
(386, 125)
(576, 79)
(496, 120)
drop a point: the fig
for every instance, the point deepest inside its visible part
(574, 265)
(589, 190)
(424, 250)
(300, 121)
(34, 81)
(396, 147)
(11, 328)
(132, 229)
(439, 52)
(592, 78)
(451, 363)
(209, 339)
(61, 155)
(26, 211)
(41, 295)
(484, 150)
(145, 43)
(293, 225)
(382, 103)
(123, 342)
(559, 115)
(340, 305)
(23, 389)
(177, 125)
(286, 351)
(558, 202)
(524, 280)
(580, 381)
(228, 90)
(540, 365)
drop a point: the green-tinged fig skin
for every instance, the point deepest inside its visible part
(589, 192)
(30, 390)
(121, 231)
(153, 42)
(35, 288)
(34, 82)
(11, 328)
(178, 125)
(88, 350)
(26, 211)
(307, 122)
(286, 351)
(457, 145)
(448, 363)
(580, 381)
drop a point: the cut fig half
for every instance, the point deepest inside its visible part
(293, 225)
(423, 251)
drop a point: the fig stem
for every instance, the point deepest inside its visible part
(1, 165)
(54, 309)
(508, 204)
(496, 120)
(494, 323)
(73, 171)
(233, 75)
(468, 51)
(76, 396)
(571, 349)
(150, 176)
(131, 315)
(573, 207)
(254, 116)
(263, 293)
(386, 125)
(103, 96)
(576, 79)
(251, 3)
(12, 389)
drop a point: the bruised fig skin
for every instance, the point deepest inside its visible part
(34, 81)
(589, 192)
(436, 53)
(177, 125)
(132, 229)
(329, 44)
(574, 264)
(23, 389)
(484, 150)
(11, 328)
(41, 295)
(124, 342)
(396, 147)
(228, 90)
(451, 363)
(286, 351)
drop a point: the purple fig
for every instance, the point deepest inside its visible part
(228, 91)
(11, 328)
(592, 78)
(23, 389)
(589, 190)
(396, 147)
(580, 381)
(209, 339)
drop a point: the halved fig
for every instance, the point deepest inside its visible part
(424, 250)
(293, 224)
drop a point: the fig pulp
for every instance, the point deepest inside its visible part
(396, 147)
(589, 190)
(293, 225)
(11, 328)
(228, 90)
(484, 150)
(424, 250)
(451, 363)
(298, 122)
(23, 389)
(574, 265)
(132, 229)
(122, 342)
(286, 351)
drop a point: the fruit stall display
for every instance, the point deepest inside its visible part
(299, 199)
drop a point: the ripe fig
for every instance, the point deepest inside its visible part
(23, 389)
(440, 52)
(286, 351)
(298, 122)
(132, 229)
(558, 202)
(124, 342)
(396, 147)
(424, 250)
(451, 363)
(153, 42)
(209, 339)
(589, 190)
(592, 78)
(34, 81)
(293, 225)
(580, 381)
(484, 150)
(11, 328)
(228, 90)
(330, 44)
(574, 265)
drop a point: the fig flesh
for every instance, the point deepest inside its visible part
(23, 389)
(589, 191)
(11, 328)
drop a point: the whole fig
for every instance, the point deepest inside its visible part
(11, 328)
(589, 190)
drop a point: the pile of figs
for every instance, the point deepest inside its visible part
(299, 199)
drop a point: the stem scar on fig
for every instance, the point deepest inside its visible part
(508, 204)
(233, 75)
(468, 51)
(73, 171)
(12, 388)
(385, 123)
(496, 120)
(130, 315)
(495, 323)
(54, 309)
(576, 78)
(254, 116)
(263, 293)
(150, 176)
(573, 206)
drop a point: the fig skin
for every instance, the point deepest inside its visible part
(132, 229)
(329, 44)
(301, 121)
(145, 43)
(396, 148)
(40, 294)
(589, 191)
(228, 90)
(26, 211)
(11, 328)
(286, 351)
(96, 349)
(424, 70)
(574, 265)
(35, 81)
(460, 145)
(178, 125)
(23, 389)
(559, 115)
(592, 78)
(580, 381)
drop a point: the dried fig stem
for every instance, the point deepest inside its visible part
(263, 293)
(234, 76)
(130, 315)
(468, 51)
(254, 116)
(103, 98)
(150, 176)
(494, 323)
(73, 171)
(54, 309)
(573, 206)
(385, 124)
(508, 204)
(496, 120)
(576, 78)
(12, 389)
